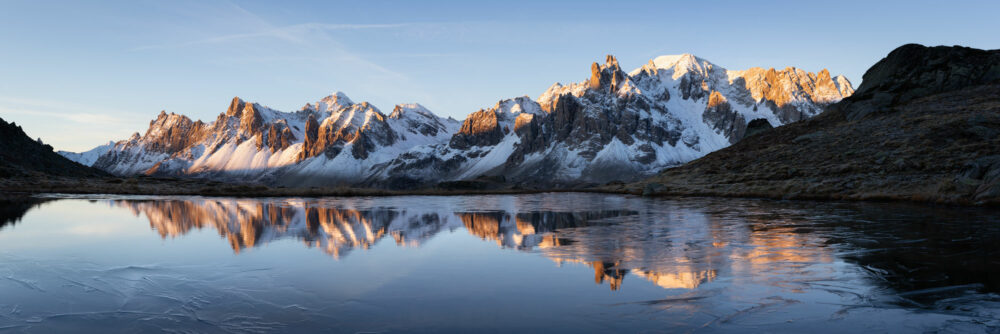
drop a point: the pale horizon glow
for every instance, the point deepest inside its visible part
(78, 74)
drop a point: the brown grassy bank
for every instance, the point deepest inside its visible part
(196, 187)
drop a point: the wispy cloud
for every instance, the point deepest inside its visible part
(68, 126)
(293, 33)
(81, 114)
(81, 118)
(303, 38)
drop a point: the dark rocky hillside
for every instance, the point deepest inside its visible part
(21, 156)
(924, 125)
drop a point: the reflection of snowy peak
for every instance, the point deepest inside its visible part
(613, 126)
(251, 223)
(597, 234)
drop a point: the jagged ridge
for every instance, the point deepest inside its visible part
(612, 126)
(251, 140)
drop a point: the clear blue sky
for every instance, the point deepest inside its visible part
(80, 73)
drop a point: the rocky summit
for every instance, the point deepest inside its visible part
(613, 126)
(924, 125)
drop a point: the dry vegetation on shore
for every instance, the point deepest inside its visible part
(199, 187)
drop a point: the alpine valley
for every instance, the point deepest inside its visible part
(614, 126)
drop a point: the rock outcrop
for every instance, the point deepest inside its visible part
(481, 128)
(720, 115)
(913, 71)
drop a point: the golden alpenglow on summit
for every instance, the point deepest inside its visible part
(443, 167)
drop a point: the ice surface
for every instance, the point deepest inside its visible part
(192, 264)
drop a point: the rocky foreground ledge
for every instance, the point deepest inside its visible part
(923, 126)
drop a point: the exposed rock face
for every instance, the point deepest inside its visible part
(525, 125)
(361, 125)
(913, 71)
(277, 137)
(311, 137)
(786, 86)
(479, 129)
(924, 126)
(170, 133)
(719, 114)
(608, 76)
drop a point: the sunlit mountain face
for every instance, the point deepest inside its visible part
(674, 247)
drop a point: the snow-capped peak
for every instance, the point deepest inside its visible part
(331, 103)
(87, 158)
(338, 97)
(404, 109)
(518, 105)
(682, 64)
(356, 115)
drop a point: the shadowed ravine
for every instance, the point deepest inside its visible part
(713, 264)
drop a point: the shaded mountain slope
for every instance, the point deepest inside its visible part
(22, 157)
(924, 125)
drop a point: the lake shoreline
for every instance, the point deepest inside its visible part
(149, 186)
(197, 187)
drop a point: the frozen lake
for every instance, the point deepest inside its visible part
(560, 262)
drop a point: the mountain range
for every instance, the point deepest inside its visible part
(613, 126)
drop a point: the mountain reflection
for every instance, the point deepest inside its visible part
(534, 229)
(250, 223)
(247, 223)
(674, 245)
(12, 208)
